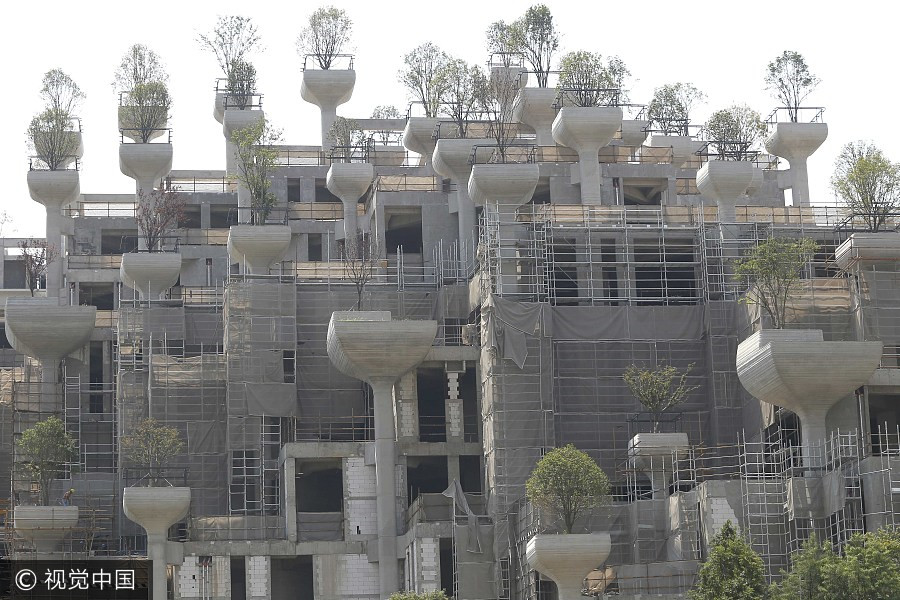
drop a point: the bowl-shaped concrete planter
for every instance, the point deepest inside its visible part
(327, 88)
(53, 189)
(418, 136)
(586, 129)
(42, 329)
(796, 369)
(568, 558)
(534, 107)
(156, 508)
(725, 181)
(634, 131)
(683, 146)
(796, 141)
(150, 273)
(258, 246)
(508, 184)
(145, 162)
(45, 526)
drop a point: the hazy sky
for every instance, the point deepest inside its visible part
(721, 47)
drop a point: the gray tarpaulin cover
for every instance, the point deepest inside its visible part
(205, 437)
(510, 322)
(271, 399)
(455, 492)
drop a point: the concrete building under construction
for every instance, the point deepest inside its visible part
(358, 423)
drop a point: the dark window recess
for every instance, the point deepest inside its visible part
(564, 282)
(320, 488)
(469, 395)
(14, 274)
(191, 217)
(288, 362)
(96, 400)
(221, 217)
(315, 246)
(97, 294)
(118, 242)
(431, 385)
(292, 577)
(445, 553)
(4, 343)
(238, 578)
(403, 230)
(470, 473)
(426, 475)
(294, 190)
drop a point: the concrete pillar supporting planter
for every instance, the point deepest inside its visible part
(567, 558)
(652, 453)
(725, 181)
(54, 189)
(451, 160)
(796, 369)
(534, 107)
(371, 347)
(232, 120)
(45, 527)
(145, 163)
(327, 89)
(796, 142)
(418, 136)
(683, 146)
(349, 181)
(150, 273)
(258, 246)
(586, 130)
(156, 509)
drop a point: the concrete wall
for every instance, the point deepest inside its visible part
(359, 503)
(339, 577)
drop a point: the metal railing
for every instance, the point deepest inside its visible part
(410, 183)
(802, 114)
(94, 261)
(122, 134)
(101, 210)
(200, 184)
(352, 428)
(299, 157)
(483, 154)
(342, 59)
(36, 163)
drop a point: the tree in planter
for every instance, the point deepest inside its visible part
(361, 258)
(732, 132)
(36, 255)
(732, 570)
(424, 76)
(50, 133)
(347, 138)
(498, 101)
(789, 79)
(464, 92)
(157, 212)
(386, 112)
(326, 36)
(231, 41)
(504, 41)
(670, 109)
(567, 482)
(536, 38)
(257, 159)
(773, 270)
(145, 107)
(653, 388)
(152, 444)
(867, 183)
(241, 84)
(46, 447)
(585, 79)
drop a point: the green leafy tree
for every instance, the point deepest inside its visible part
(36, 255)
(146, 109)
(386, 136)
(733, 571)
(537, 39)
(257, 159)
(504, 42)
(231, 41)
(733, 132)
(158, 211)
(241, 84)
(567, 482)
(867, 183)
(465, 88)
(669, 110)
(654, 388)
(45, 448)
(811, 569)
(51, 135)
(347, 138)
(586, 79)
(140, 64)
(435, 595)
(423, 74)
(789, 79)
(153, 445)
(773, 269)
(870, 568)
(326, 36)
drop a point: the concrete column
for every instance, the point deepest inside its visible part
(327, 89)
(586, 130)
(289, 470)
(385, 450)
(156, 552)
(259, 577)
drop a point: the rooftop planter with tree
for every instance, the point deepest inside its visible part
(589, 93)
(669, 113)
(232, 41)
(867, 184)
(659, 390)
(567, 483)
(534, 35)
(422, 74)
(43, 451)
(153, 272)
(789, 79)
(53, 134)
(150, 447)
(144, 101)
(36, 256)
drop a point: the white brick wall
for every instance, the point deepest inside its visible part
(718, 512)
(429, 565)
(454, 418)
(453, 386)
(189, 578)
(345, 577)
(359, 479)
(361, 514)
(258, 574)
